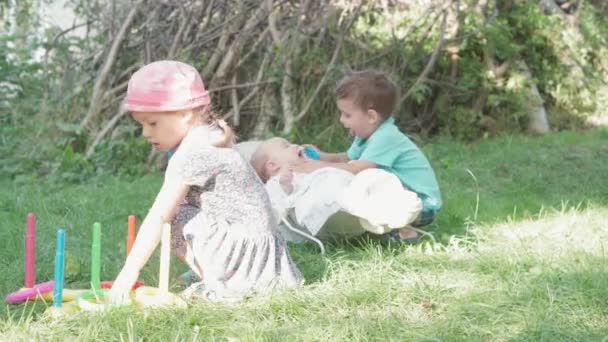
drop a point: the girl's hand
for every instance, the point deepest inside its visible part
(121, 288)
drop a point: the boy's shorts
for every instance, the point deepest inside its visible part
(425, 218)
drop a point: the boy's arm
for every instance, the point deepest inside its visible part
(353, 166)
(334, 157)
(330, 157)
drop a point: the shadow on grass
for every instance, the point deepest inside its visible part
(315, 266)
(310, 261)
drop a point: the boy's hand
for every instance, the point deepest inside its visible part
(329, 157)
(313, 147)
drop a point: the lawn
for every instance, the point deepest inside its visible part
(519, 255)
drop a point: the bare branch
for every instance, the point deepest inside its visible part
(235, 48)
(128, 71)
(116, 90)
(253, 48)
(430, 65)
(242, 85)
(45, 63)
(208, 13)
(234, 98)
(220, 50)
(287, 85)
(276, 35)
(178, 36)
(109, 126)
(255, 90)
(330, 66)
(100, 83)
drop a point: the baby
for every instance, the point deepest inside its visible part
(273, 157)
(312, 195)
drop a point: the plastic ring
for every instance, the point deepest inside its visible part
(89, 301)
(151, 296)
(29, 293)
(68, 295)
(65, 309)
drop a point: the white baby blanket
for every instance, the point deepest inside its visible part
(314, 198)
(375, 196)
(380, 201)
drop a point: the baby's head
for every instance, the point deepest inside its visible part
(167, 98)
(365, 99)
(274, 154)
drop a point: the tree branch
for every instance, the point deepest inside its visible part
(234, 99)
(330, 66)
(254, 91)
(220, 50)
(178, 35)
(235, 48)
(429, 66)
(287, 84)
(98, 88)
(242, 85)
(103, 132)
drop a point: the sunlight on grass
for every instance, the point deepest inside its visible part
(540, 275)
(556, 234)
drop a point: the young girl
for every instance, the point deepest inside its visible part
(222, 222)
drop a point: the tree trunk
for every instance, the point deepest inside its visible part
(268, 109)
(537, 114)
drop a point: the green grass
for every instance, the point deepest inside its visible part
(525, 262)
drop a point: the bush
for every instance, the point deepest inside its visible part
(464, 95)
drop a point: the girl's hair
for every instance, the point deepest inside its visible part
(212, 119)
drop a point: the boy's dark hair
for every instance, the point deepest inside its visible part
(370, 89)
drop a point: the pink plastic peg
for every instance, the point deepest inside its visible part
(30, 251)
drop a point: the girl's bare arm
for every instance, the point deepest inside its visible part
(163, 210)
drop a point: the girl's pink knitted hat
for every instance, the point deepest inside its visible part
(165, 86)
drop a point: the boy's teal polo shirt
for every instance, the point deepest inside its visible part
(394, 152)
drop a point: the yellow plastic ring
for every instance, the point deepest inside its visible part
(89, 301)
(65, 309)
(151, 296)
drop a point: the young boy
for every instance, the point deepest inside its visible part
(366, 100)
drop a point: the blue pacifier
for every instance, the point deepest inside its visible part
(311, 153)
